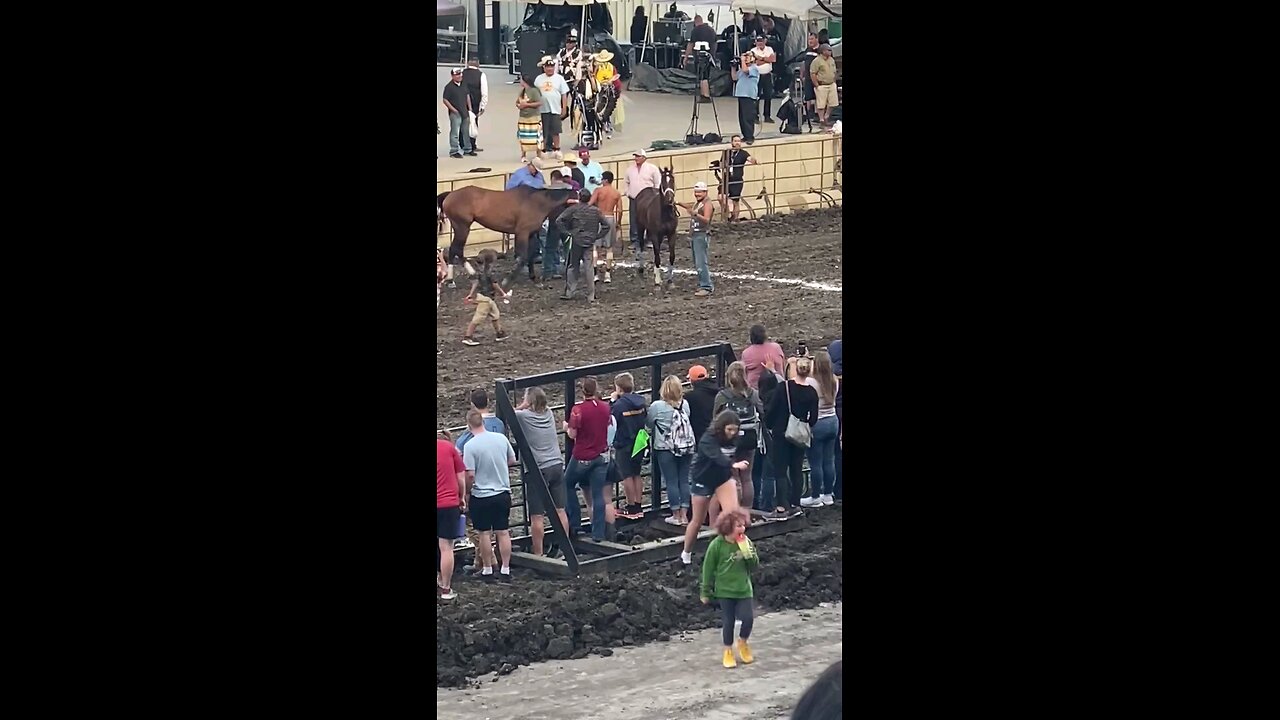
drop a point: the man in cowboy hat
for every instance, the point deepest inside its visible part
(607, 74)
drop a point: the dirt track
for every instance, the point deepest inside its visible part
(680, 679)
(497, 627)
(631, 317)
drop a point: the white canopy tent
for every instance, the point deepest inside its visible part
(803, 9)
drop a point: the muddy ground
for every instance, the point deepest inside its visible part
(492, 627)
(631, 317)
(678, 679)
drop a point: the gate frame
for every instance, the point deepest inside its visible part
(504, 387)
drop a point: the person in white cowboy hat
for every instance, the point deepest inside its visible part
(607, 74)
(700, 211)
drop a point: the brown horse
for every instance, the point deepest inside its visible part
(519, 211)
(656, 218)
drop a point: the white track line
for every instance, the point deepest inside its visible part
(753, 276)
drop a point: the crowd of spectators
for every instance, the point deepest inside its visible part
(720, 448)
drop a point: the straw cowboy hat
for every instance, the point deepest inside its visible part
(604, 56)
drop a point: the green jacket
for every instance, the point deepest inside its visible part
(726, 570)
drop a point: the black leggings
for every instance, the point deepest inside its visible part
(788, 460)
(740, 610)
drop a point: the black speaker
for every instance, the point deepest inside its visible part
(533, 45)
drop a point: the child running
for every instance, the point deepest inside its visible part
(486, 304)
(726, 576)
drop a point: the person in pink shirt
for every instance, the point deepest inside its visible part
(759, 354)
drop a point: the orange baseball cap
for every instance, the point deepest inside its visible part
(697, 372)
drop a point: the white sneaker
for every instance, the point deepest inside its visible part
(450, 595)
(686, 558)
(827, 500)
(608, 277)
(810, 502)
(671, 520)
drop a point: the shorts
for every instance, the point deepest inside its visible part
(627, 466)
(808, 90)
(554, 476)
(735, 189)
(447, 523)
(485, 308)
(607, 239)
(703, 490)
(550, 125)
(748, 442)
(826, 96)
(491, 513)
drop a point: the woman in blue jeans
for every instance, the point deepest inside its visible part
(673, 468)
(826, 433)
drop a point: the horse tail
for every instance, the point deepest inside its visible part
(440, 204)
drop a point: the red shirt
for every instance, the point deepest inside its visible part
(590, 419)
(448, 465)
(754, 357)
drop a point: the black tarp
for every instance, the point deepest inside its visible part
(559, 19)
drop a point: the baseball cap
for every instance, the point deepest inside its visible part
(641, 153)
(697, 372)
(699, 186)
(456, 71)
(824, 46)
(584, 151)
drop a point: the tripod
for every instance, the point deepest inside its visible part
(797, 99)
(704, 68)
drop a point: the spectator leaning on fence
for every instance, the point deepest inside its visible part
(673, 445)
(480, 403)
(527, 175)
(630, 412)
(822, 450)
(702, 399)
(836, 349)
(450, 504)
(488, 458)
(539, 425)
(744, 401)
(760, 354)
(794, 399)
(588, 427)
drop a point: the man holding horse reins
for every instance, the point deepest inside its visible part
(639, 176)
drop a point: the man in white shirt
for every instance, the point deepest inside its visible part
(765, 58)
(639, 176)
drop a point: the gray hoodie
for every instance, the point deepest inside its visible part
(540, 431)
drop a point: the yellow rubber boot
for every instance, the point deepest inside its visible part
(744, 651)
(729, 662)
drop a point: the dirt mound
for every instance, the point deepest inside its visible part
(496, 627)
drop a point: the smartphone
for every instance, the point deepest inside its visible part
(802, 350)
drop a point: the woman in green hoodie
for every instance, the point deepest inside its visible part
(726, 576)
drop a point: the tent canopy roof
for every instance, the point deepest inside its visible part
(807, 9)
(445, 7)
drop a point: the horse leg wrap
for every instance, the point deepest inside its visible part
(466, 264)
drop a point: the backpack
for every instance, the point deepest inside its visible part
(742, 406)
(681, 434)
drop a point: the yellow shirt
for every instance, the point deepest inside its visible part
(605, 73)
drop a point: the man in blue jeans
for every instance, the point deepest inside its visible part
(588, 427)
(700, 235)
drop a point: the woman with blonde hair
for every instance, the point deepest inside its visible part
(744, 401)
(822, 449)
(668, 425)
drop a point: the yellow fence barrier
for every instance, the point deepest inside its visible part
(789, 172)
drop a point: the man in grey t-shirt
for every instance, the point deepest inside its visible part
(487, 457)
(539, 425)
